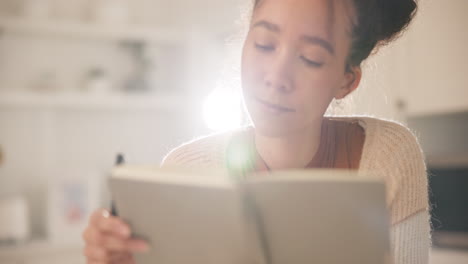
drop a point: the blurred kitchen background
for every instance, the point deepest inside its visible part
(84, 80)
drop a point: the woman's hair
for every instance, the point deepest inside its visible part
(376, 23)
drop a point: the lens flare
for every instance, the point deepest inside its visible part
(222, 110)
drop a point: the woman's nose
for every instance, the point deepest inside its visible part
(278, 77)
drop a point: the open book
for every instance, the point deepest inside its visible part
(284, 217)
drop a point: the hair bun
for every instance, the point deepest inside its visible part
(378, 22)
(396, 16)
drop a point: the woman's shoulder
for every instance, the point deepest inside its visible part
(380, 130)
(204, 151)
(386, 140)
(392, 152)
(389, 134)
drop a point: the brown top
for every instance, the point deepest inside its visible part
(340, 146)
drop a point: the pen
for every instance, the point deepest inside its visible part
(120, 160)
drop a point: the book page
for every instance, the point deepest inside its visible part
(314, 220)
(184, 223)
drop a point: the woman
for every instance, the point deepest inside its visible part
(298, 56)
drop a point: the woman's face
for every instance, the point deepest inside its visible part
(293, 62)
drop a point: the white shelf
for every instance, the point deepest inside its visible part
(83, 101)
(92, 30)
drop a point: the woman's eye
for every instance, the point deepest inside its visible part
(311, 63)
(264, 47)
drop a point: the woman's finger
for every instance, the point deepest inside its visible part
(137, 245)
(99, 255)
(94, 237)
(93, 253)
(113, 243)
(122, 258)
(102, 220)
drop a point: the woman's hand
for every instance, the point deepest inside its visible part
(107, 240)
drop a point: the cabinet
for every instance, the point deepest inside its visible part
(434, 58)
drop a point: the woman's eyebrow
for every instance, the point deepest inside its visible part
(268, 25)
(305, 38)
(319, 41)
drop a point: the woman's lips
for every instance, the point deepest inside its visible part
(274, 108)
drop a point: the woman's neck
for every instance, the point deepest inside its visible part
(294, 150)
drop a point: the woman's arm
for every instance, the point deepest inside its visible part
(393, 153)
(411, 239)
(409, 204)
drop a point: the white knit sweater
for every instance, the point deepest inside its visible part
(390, 152)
